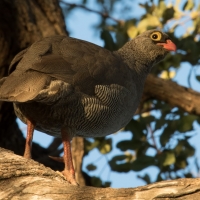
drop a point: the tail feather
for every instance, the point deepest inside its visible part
(22, 87)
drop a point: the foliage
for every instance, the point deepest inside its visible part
(164, 130)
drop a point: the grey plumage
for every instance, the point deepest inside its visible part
(64, 82)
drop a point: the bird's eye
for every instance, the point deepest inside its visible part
(156, 36)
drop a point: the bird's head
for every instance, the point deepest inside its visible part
(155, 37)
(147, 49)
(153, 45)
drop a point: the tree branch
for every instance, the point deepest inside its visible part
(172, 93)
(26, 179)
(153, 138)
(103, 14)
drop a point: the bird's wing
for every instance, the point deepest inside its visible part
(54, 66)
(22, 87)
(16, 60)
(83, 65)
(19, 86)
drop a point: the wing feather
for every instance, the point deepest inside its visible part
(37, 72)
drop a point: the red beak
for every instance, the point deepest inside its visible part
(169, 45)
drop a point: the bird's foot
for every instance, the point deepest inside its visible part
(27, 154)
(68, 176)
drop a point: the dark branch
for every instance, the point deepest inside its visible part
(103, 14)
(172, 93)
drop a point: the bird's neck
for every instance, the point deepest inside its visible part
(139, 65)
(135, 59)
(137, 62)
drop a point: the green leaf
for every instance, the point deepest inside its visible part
(121, 38)
(149, 22)
(159, 10)
(160, 123)
(132, 32)
(120, 164)
(106, 184)
(189, 150)
(145, 178)
(125, 145)
(91, 167)
(148, 119)
(133, 144)
(143, 162)
(184, 149)
(188, 175)
(179, 147)
(198, 77)
(166, 135)
(84, 1)
(96, 181)
(169, 158)
(189, 4)
(90, 145)
(136, 128)
(186, 123)
(105, 146)
(109, 42)
(159, 177)
(180, 163)
(168, 14)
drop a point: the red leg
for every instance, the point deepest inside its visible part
(29, 138)
(68, 172)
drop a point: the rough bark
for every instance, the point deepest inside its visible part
(173, 94)
(26, 179)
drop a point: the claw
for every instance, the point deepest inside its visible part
(68, 177)
(58, 159)
(68, 172)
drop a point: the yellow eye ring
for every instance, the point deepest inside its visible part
(156, 36)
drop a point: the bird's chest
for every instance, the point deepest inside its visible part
(109, 110)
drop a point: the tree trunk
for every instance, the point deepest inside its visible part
(22, 22)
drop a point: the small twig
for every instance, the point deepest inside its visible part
(104, 15)
(189, 77)
(98, 159)
(54, 144)
(153, 139)
(177, 20)
(103, 168)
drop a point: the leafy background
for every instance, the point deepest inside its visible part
(161, 142)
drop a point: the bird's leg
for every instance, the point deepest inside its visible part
(68, 171)
(29, 138)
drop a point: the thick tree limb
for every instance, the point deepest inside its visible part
(172, 93)
(26, 179)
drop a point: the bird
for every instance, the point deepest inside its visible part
(67, 87)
